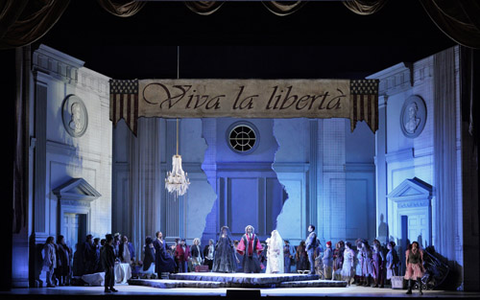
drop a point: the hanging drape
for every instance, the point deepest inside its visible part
(470, 95)
(20, 178)
(283, 8)
(364, 7)
(121, 8)
(145, 182)
(459, 20)
(445, 153)
(204, 8)
(22, 22)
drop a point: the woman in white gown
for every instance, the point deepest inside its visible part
(275, 254)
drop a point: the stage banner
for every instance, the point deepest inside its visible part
(356, 100)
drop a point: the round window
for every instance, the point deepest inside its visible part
(242, 138)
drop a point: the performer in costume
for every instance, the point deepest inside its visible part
(275, 262)
(288, 255)
(224, 259)
(148, 258)
(208, 253)
(348, 266)
(311, 245)
(415, 269)
(250, 247)
(163, 261)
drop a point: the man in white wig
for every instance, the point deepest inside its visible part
(275, 254)
(250, 247)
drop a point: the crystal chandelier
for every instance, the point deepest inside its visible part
(177, 182)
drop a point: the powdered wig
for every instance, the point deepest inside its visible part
(249, 226)
(197, 240)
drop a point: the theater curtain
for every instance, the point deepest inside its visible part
(145, 182)
(459, 20)
(204, 8)
(470, 85)
(22, 22)
(445, 154)
(364, 7)
(283, 8)
(121, 8)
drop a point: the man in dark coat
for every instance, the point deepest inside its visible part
(108, 264)
(97, 264)
(89, 255)
(163, 261)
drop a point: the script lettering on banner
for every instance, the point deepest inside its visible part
(244, 98)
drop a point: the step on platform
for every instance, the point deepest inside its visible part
(226, 280)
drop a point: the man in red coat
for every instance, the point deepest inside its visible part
(250, 247)
(182, 253)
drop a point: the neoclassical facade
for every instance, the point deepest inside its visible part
(86, 176)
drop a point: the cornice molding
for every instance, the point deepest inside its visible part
(395, 79)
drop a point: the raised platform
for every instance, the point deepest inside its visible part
(237, 280)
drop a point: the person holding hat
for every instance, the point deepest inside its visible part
(328, 260)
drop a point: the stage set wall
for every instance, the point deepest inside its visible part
(303, 171)
(298, 174)
(57, 158)
(405, 173)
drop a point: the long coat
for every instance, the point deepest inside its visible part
(250, 248)
(163, 261)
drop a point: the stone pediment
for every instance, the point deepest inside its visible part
(411, 189)
(76, 189)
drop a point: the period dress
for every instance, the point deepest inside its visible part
(275, 262)
(224, 261)
(392, 263)
(348, 267)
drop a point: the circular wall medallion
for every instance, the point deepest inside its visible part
(413, 116)
(242, 137)
(75, 116)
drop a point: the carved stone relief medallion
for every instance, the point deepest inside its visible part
(413, 116)
(75, 116)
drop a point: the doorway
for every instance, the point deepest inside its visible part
(74, 229)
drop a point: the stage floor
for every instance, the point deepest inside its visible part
(224, 286)
(89, 292)
(237, 280)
